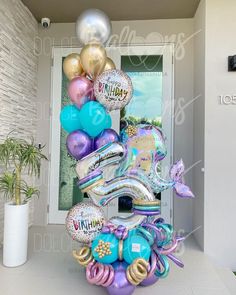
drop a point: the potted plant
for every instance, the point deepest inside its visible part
(18, 156)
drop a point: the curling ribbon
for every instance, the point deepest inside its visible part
(137, 271)
(100, 274)
(83, 256)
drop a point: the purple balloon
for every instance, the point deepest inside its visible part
(120, 285)
(80, 90)
(107, 136)
(149, 281)
(79, 144)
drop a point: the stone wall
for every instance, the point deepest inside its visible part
(18, 74)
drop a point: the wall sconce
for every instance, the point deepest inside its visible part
(232, 63)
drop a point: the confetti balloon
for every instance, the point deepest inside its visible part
(113, 89)
(84, 222)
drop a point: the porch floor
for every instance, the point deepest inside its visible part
(51, 270)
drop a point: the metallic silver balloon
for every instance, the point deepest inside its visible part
(105, 156)
(119, 187)
(103, 193)
(93, 25)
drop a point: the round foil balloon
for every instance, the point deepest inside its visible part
(84, 222)
(145, 144)
(72, 66)
(93, 25)
(113, 89)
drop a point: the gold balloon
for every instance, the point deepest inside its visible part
(93, 59)
(72, 66)
(110, 65)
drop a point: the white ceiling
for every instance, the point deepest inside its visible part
(64, 11)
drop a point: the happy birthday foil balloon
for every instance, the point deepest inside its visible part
(145, 144)
(84, 222)
(113, 89)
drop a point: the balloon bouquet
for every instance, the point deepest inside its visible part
(119, 253)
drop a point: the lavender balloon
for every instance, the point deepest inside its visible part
(107, 136)
(149, 281)
(79, 144)
(80, 90)
(120, 285)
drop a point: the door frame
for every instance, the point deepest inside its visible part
(56, 216)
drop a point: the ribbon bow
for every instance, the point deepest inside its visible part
(120, 232)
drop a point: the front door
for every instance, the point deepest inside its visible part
(151, 71)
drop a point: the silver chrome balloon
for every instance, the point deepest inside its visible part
(118, 187)
(102, 194)
(105, 156)
(93, 25)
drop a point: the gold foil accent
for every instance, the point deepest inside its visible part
(146, 203)
(97, 183)
(103, 248)
(131, 130)
(120, 249)
(137, 271)
(83, 256)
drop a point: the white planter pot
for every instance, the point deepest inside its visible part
(15, 243)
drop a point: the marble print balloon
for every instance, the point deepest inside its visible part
(113, 89)
(84, 222)
(145, 144)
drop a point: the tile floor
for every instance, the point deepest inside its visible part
(51, 270)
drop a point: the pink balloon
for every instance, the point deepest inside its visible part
(80, 89)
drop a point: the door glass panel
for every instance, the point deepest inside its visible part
(146, 73)
(69, 193)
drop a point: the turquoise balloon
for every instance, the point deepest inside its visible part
(94, 118)
(70, 118)
(135, 247)
(105, 240)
